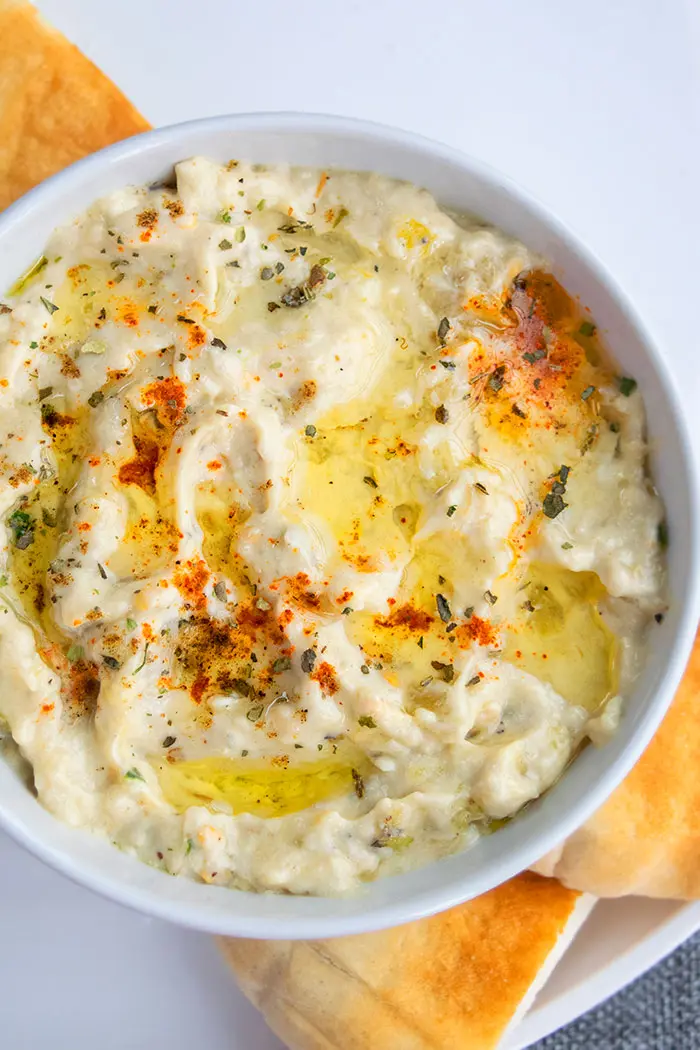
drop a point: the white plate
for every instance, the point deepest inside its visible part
(80, 971)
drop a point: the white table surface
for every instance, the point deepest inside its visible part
(590, 104)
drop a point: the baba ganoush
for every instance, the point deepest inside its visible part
(327, 533)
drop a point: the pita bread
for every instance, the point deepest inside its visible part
(55, 105)
(645, 840)
(455, 980)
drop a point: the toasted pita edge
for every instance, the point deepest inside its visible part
(458, 979)
(55, 105)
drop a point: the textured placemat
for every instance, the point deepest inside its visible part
(659, 1011)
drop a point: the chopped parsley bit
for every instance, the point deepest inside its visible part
(130, 624)
(441, 414)
(283, 663)
(273, 306)
(308, 659)
(662, 534)
(426, 682)
(111, 662)
(447, 671)
(33, 345)
(143, 662)
(218, 343)
(190, 844)
(495, 380)
(365, 669)
(448, 364)
(133, 774)
(102, 571)
(443, 608)
(184, 320)
(347, 610)
(342, 214)
(553, 504)
(469, 612)
(587, 328)
(51, 307)
(627, 385)
(153, 308)
(490, 598)
(279, 266)
(564, 472)
(443, 329)
(659, 617)
(224, 216)
(528, 606)
(96, 399)
(254, 713)
(587, 393)
(220, 590)
(359, 783)
(3, 580)
(473, 681)
(49, 518)
(566, 546)
(225, 245)
(239, 235)
(366, 720)
(420, 642)
(310, 430)
(22, 525)
(370, 481)
(303, 250)
(481, 488)
(615, 428)
(267, 273)
(517, 411)
(263, 605)
(75, 653)
(261, 204)
(451, 510)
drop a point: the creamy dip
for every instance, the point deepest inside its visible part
(327, 536)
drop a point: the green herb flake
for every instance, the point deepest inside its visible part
(587, 328)
(367, 722)
(308, 660)
(310, 430)
(585, 394)
(490, 598)
(239, 235)
(342, 214)
(359, 783)
(96, 399)
(224, 216)
(254, 713)
(441, 414)
(553, 505)
(283, 663)
(51, 307)
(443, 608)
(143, 662)
(134, 774)
(443, 329)
(225, 244)
(627, 385)
(22, 526)
(368, 480)
(189, 846)
(451, 510)
(473, 681)
(662, 534)
(75, 653)
(218, 343)
(33, 345)
(420, 642)
(130, 624)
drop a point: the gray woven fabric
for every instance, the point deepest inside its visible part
(659, 1011)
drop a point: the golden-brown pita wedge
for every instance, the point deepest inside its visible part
(457, 980)
(55, 105)
(646, 838)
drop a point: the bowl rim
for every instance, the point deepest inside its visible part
(441, 896)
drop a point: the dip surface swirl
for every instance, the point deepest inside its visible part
(327, 536)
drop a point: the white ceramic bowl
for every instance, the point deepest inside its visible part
(460, 183)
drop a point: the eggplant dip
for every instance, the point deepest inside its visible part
(327, 535)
